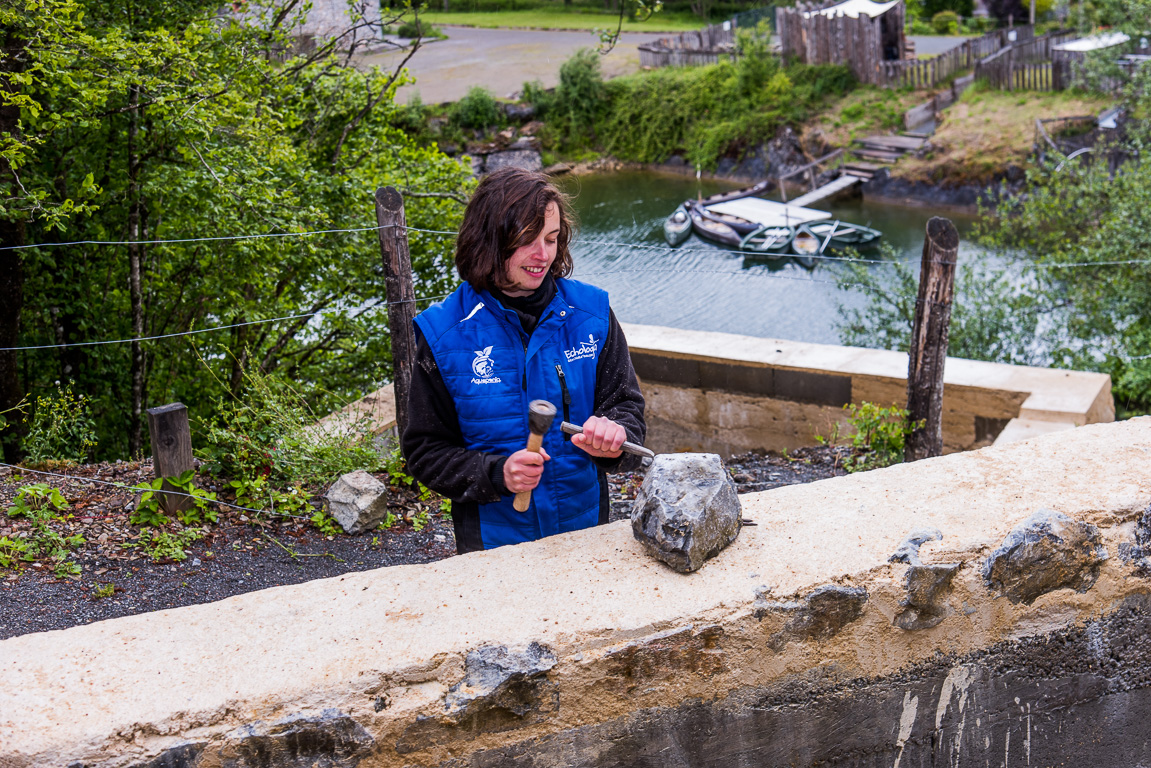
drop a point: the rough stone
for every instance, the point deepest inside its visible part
(503, 689)
(180, 756)
(819, 616)
(926, 585)
(519, 112)
(528, 159)
(1046, 552)
(1139, 552)
(331, 740)
(358, 501)
(687, 510)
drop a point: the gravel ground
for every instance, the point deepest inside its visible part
(240, 554)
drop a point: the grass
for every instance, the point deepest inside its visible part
(986, 130)
(865, 111)
(576, 18)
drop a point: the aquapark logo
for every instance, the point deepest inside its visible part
(483, 367)
(585, 349)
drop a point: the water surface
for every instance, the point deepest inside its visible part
(704, 286)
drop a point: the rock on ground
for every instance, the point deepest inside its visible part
(687, 510)
(358, 501)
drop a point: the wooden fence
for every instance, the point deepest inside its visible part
(929, 73)
(1024, 66)
(703, 46)
(813, 38)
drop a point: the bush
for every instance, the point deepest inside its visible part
(61, 429)
(416, 28)
(540, 98)
(879, 436)
(945, 22)
(579, 98)
(478, 110)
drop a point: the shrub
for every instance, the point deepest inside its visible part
(61, 429)
(478, 110)
(41, 505)
(541, 100)
(880, 434)
(580, 95)
(945, 22)
(415, 28)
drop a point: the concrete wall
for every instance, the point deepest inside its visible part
(728, 394)
(800, 644)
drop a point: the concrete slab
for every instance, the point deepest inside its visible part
(375, 654)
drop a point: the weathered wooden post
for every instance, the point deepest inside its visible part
(401, 295)
(171, 451)
(928, 352)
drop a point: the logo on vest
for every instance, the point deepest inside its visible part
(483, 367)
(585, 349)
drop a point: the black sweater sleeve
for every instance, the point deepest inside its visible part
(433, 443)
(617, 396)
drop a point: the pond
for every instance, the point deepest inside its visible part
(704, 286)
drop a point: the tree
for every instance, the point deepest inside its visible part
(152, 121)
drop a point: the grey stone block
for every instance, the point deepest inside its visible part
(687, 510)
(819, 616)
(358, 501)
(1046, 552)
(926, 586)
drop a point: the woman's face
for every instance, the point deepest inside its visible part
(524, 272)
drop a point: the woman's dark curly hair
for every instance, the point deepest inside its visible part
(507, 212)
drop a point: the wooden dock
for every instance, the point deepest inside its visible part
(827, 190)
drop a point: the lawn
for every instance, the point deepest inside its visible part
(557, 18)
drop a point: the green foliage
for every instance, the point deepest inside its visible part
(579, 98)
(148, 510)
(41, 505)
(477, 110)
(163, 545)
(101, 591)
(707, 112)
(61, 429)
(541, 100)
(272, 433)
(325, 523)
(231, 137)
(996, 314)
(945, 22)
(418, 28)
(879, 435)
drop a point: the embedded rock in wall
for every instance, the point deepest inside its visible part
(819, 616)
(926, 585)
(1139, 552)
(358, 501)
(1045, 552)
(522, 153)
(687, 510)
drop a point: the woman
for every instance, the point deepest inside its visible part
(518, 330)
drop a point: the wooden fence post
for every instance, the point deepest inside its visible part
(928, 352)
(171, 450)
(401, 295)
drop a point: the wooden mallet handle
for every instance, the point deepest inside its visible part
(541, 414)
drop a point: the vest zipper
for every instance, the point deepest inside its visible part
(567, 398)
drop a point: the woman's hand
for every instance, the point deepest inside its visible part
(523, 468)
(601, 437)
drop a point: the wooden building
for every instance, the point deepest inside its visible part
(858, 33)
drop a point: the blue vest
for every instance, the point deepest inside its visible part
(493, 369)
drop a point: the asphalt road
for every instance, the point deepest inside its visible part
(502, 60)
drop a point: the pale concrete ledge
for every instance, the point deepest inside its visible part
(726, 393)
(634, 664)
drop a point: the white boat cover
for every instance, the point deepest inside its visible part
(768, 213)
(853, 8)
(1093, 43)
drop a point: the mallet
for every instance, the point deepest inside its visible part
(541, 414)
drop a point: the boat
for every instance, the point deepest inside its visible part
(837, 235)
(677, 227)
(742, 220)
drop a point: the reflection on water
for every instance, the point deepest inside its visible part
(703, 286)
